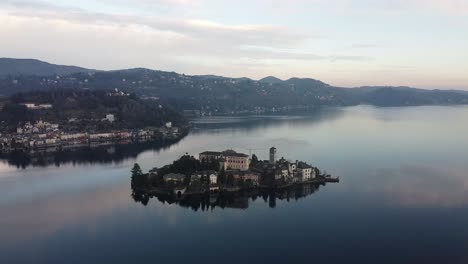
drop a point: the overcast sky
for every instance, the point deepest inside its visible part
(422, 43)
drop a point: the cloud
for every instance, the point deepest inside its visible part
(389, 7)
(195, 28)
(278, 54)
(235, 38)
(175, 40)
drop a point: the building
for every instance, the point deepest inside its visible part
(174, 177)
(235, 161)
(110, 118)
(210, 175)
(101, 136)
(305, 171)
(273, 155)
(229, 159)
(210, 156)
(247, 176)
(33, 106)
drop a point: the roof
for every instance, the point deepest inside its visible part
(303, 165)
(205, 172)
(226, 153)
(214, 153)
(232, 153)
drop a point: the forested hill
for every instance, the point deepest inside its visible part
(217, 94)
(86, 108)
(17, 67)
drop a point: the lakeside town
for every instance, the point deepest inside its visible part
(214, 173)
(42, 136)
(58, 120)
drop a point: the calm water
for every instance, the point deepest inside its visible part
(403, 197)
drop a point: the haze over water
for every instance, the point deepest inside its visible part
(403, 197)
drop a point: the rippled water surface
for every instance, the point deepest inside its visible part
(403, 197)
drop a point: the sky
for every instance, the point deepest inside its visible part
(348, 43)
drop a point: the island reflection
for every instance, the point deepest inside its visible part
(237, 200)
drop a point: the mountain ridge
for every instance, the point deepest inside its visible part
(218, 94)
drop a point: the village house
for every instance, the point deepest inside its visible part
(174, 177)
(209, 175)
(110, 118)
(305, 171)
(33, 106)
(247, 176)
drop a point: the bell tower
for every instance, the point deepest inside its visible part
(272, 155)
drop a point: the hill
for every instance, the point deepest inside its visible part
(222, 95)
(78, 110)
(16, 67)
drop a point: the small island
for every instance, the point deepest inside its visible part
(215, 174)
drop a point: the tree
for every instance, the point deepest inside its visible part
(222, 176)
(254, 160)
(317, 171)
(230, 180)
(136, 170)
(138, 178)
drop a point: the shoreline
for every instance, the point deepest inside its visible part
(234, 189)
(88, 143)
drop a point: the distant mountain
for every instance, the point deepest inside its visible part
(16, 67)
(223, 95)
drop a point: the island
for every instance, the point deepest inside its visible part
(214, 175)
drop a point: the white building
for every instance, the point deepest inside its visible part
(305, 171)
(110, 118)
(35, 107)
(235, 161)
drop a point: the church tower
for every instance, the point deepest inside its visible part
(272, 155)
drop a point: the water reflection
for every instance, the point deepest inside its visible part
(404, 198)
(97, 155)
(253, 122)
(236, 200)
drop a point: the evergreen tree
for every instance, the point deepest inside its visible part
(222, 176)
(230, 180)
(138, 178)
(136, 170)
(254, 160)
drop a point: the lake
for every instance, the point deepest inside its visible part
(402, 198)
